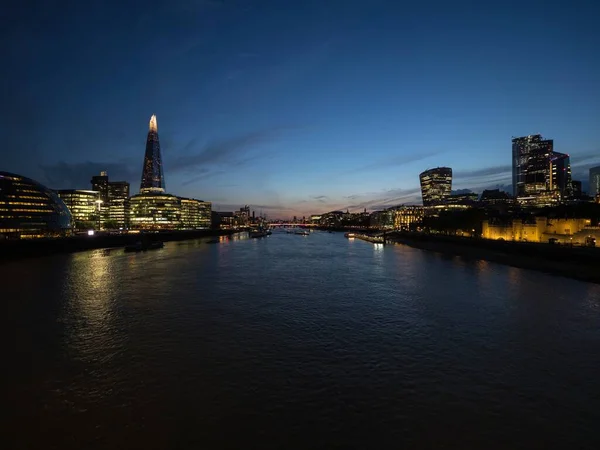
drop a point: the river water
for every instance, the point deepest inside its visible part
(296, 342)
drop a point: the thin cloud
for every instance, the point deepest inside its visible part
(482, 178)
(65, 175)
(394, 161)
(320, 198)
(204, 174)
(385, 199)
(232, 151)
(483, 172)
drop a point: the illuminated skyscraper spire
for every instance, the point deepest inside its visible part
(152, 172)
(153, 126)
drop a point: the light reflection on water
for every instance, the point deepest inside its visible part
(294, 340)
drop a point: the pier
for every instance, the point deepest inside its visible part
(374, 239)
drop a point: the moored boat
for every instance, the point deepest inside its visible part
(140, 246)
(136, 247)
(258, 233)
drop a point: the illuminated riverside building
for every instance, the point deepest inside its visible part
(436, 185)
(154, 212)
(85, 206)
(406, 217)
(152, 208)
(30, 210)
(397, 218)
(195, 214)
(541, 176)
(382, 219)
(115, 199)
(118, 203)
(542, 229)
(530, 165)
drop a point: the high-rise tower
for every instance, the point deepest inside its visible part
(100, 184)
(152, 172)
(594, 182)
(541, 176)
(436, 185)
(531, 165)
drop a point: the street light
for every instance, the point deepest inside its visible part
(99, 202)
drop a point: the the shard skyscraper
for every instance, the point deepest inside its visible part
(153, 180)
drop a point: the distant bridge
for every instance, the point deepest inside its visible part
(293, 225)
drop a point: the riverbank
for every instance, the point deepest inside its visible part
(366, 237)
(26, 248)
(580, 263)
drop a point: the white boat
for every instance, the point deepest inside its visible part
(258, 233)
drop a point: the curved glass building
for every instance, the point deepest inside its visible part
(436, 185)
(29, 209)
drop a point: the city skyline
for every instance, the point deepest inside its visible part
(292, 122)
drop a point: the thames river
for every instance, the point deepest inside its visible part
(296, 342)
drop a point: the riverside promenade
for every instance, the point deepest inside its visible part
(581, 263)
(17, 249)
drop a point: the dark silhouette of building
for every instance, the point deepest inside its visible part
(195, 214)
(462, 200)
(491, 197)
(594, 182)
(153, 180)
(29, 209)
(576, 186)
(224, 219)
(436, 185)
(100, 184)
(118, 190)
(560, 175)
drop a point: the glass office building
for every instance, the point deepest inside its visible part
(118, 203)
(560, 175)
(195, 214)
(30, 210)
(436, 185)
(406, 217)
(85, 207)
(154, 212)
(530, 165)
(541, 176)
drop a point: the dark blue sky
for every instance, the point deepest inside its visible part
(295, 106)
